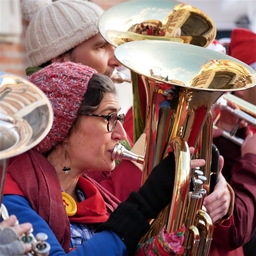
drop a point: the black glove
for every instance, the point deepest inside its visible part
(130, 220)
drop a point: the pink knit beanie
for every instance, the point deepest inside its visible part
(65, 85)
(57, 26)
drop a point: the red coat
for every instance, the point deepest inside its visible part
(241, 175)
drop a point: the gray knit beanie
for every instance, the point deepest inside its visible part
(56, 27)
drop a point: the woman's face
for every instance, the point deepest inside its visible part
(96, 53)
(90, 145)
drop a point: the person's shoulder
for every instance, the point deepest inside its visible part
(11, 187)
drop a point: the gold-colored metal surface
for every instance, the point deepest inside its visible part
(181, 83)
(172, 66)
(161, 20)
(159, 42)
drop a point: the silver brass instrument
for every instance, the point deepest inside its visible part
(181, 82)
(26, 117)
(243, 105)
(246, 111)
(120, 153)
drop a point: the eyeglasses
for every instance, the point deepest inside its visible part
(112, 119)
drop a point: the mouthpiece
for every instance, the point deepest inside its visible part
(119, 77)
(121, 153)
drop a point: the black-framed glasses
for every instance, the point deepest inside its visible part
(112, 119)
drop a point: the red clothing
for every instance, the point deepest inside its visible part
(241, 175)
(42, 189)
(125, 178)
(229, 237)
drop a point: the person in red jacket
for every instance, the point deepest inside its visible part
(240, 160)
(47, 185)
(77, 39)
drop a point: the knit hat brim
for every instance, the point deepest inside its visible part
(65, 85)
(59, 26)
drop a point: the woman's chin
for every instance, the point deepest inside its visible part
(108, 167)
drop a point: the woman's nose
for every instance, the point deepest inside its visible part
(119, 132)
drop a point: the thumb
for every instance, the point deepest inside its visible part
(221, 163)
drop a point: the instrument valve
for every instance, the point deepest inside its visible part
(196, 173)
(198, 185)
(28, 238)
(41, 247)
(203, 179)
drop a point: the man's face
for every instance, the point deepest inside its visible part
(96, 53)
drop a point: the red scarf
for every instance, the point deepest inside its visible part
(32, 176)
(93, 209)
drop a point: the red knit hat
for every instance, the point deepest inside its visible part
(65, 85)
(243, 45)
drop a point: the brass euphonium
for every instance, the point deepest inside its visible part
(181, 88)
(26, 117)
(174, 86)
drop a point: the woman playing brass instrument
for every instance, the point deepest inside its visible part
(88, 48)
(86, 128)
